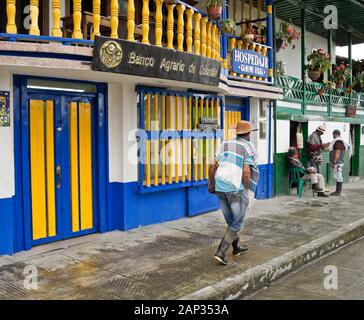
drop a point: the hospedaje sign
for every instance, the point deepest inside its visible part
(132, 58)
(250, 63)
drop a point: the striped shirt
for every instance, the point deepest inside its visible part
(234, 154)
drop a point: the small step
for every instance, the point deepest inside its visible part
(354, 179)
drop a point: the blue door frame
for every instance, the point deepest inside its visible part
(22, 212)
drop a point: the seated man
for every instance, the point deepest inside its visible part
(317, 180)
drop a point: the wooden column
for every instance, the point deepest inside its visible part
(77, 17)
(56, 13)
(145, 22)
(131, 20)
(180, 26)
(34, 15)
(197, 33)
(158, 22)
(114, 8)
(96, 9)
(10, 13)
(189, 40)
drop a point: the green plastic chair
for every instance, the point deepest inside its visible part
(296, 178)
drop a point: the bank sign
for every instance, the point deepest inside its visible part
(250, 62)
(132, 58)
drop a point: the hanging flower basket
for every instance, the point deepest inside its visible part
(279, 44)
(228, 26)
(214, 12)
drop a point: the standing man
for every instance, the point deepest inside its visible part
(235, 182)
(337, 156)
(315, 146)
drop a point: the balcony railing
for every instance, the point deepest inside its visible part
(175, 26)
(316, 94)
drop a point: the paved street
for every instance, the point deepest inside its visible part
(309, 282)
(174, 260)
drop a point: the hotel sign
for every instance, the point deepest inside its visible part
(250, 62)
(132, 58)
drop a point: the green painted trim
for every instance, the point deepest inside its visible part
(284, 110)
(303, 57)
(356, 156)
(329, 45)
(308, 117)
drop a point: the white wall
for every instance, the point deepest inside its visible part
(262, 145)
(7, 184)
(122, 100)
(292, 58)
(330, 127)
(283, 136)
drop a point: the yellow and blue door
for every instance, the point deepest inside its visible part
(61, 166)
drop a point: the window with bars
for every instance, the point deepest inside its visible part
(178, 135)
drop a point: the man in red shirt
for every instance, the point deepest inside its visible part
(337, 156)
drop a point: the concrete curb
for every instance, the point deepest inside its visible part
(254, 279)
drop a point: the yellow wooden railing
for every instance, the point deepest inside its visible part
(182, 27)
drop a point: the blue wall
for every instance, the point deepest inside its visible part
(130, 209)
(265, 183)
(6, 226)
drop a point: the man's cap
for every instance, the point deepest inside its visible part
(321, 128)
(243, 127)
(337, 132)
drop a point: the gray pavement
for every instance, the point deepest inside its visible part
(174, 260)
(343, 279)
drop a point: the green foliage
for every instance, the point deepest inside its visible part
(228, 26)
(318, 60)
(214, 3)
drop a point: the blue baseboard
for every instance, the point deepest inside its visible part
(130, 209)
(6, 226)
(265, 183)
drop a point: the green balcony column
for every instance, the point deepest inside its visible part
(303, 57)
(350, 57)
(329, 72)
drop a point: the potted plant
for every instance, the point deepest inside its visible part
(286, 34)
(214, 8)
(319, 61)
(340, 74)
(280, 68)
(228, 26)
(358, 82)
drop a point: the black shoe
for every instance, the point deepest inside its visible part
(239, 248)
(322, 195)
(222, 260)
(225, 243)
(335, 194)
(339, 187)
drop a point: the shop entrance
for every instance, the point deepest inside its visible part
(355, 142)
(61, 166)
(297, 139)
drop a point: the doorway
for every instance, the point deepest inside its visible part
(355, 142)
(60, 159)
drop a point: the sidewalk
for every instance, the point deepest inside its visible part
(174, 260)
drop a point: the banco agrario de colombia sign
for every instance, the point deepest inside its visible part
(250, 62)
(126, 57)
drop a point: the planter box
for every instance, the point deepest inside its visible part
(351, 111)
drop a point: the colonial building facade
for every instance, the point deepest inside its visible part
(111, 111)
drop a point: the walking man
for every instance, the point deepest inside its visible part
(337, 155)
(235, 182)
(315, 146)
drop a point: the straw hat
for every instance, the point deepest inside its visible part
(322, 128)
(243, 127)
